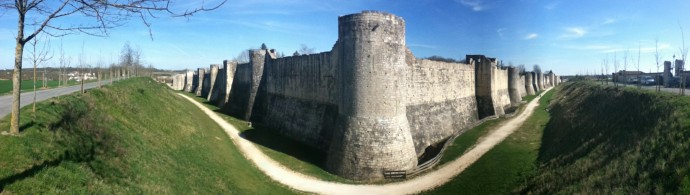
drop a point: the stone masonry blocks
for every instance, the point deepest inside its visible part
(529, 83)
(513, 86)
(200, 81)
(372, 132)
(212, 80)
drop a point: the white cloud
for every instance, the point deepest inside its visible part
(476, 5)
(531, 36)
(500, 31)
(574, 32)
(610, 21)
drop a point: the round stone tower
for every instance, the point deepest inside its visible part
(529, 84)
(372, 132)
(513, 86)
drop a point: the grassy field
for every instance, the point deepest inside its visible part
(134, 137)
(606, 140)
(505, 166)
(28, 85)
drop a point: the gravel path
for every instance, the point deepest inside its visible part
(418, 184)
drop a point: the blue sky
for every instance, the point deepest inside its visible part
(570, 37)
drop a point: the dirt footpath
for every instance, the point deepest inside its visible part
(421, 183)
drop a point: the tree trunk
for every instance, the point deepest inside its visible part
(16, 84)
(34, 105)
(82, 83)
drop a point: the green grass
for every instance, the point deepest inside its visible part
(468, 139)
(606, 140)
(134, 137)
(28, 85)
(471, 136)
(290, 153)
(309, 161)
(505, 166)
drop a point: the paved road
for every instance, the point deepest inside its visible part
(652, 87)
(670, 90)
(28, 97)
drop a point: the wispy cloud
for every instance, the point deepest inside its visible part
(573, 32)
(500, 31)
(531, 36)
(422, 45)
(476, 5)
(609, 21)
(552, 5)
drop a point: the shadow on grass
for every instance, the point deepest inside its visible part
(26, 126)
(28, 173)
(285, 145)
(271, 139)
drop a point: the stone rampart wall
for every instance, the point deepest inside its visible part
(441, 101)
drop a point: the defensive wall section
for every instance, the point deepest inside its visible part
(369, 104)
(529, 83)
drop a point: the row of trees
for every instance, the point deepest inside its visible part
(130, 64)
(683, 50)
(57, 18)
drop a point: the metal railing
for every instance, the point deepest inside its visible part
(389, 174)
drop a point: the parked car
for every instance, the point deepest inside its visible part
(648, 80)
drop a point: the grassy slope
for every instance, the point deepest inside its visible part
(505, 166)
(291, 154)
(134, 137)
(604, 140)
(28, 85)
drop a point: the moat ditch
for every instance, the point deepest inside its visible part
(613, 140)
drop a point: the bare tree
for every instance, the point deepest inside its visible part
(111, 73)
(615, 69)
(606, 68)
(64, 63)
(602, 72)
(683, 55)
(625, 66)
(81, 74)
(639, 78)
(657, 58)
(521, 68)
(305, 50)
(99, 66)
(243, 57)
(105, 15)
(38, 54)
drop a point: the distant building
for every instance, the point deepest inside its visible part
(79, 76)
(680, 66)
(625, 76)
